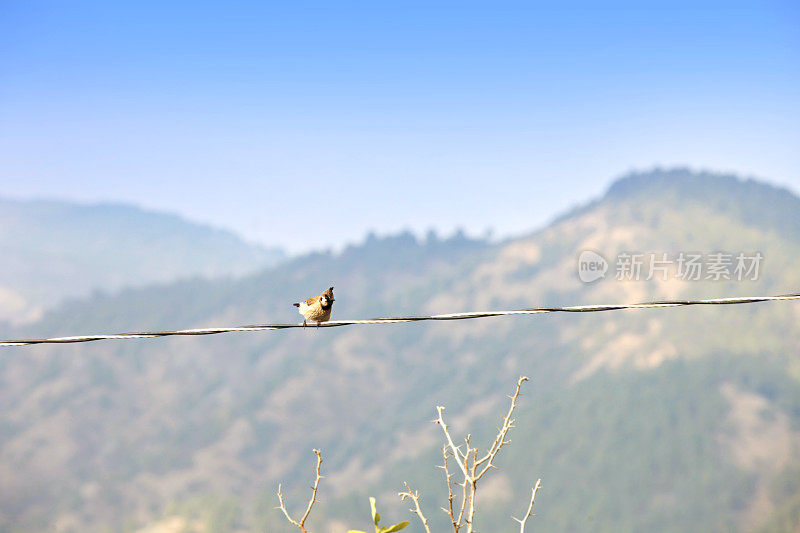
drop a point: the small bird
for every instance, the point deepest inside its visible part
(317, 308)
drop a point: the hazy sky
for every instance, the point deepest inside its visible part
(308, 126)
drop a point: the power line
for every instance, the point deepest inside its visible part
(394, 320)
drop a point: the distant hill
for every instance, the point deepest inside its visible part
(674, 420)
(52, 250)
(754, 202)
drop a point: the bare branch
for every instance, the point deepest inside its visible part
(282, 507)
(314, 488)
(529, 512)
(500, 439)
(301, 523)
(449, 483)
(473, 489)
(463, 502)
(453, 447)
(471, 467)
(417, 510)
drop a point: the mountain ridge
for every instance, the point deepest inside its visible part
(55, 249)
(637, 420)
(762, 203)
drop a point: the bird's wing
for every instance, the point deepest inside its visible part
(312, 300)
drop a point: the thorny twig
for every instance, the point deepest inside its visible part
(301, 523)
(416, 510)
(457, 454)
(472, 467)
(500, 439)
(447, 475)
(529, 512)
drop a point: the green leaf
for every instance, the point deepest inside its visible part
(396, 527)
(375, 516)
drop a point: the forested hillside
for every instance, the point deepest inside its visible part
(683, 419)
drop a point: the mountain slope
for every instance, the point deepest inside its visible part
(666, 419)
(52, 250)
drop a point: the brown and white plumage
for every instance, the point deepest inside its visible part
(317, 308)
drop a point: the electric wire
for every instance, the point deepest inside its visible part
(400, 319)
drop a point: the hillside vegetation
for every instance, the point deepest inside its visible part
(678, 420)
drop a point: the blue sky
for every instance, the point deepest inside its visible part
(308, 126)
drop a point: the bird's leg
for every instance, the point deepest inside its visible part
(317, 323)
(304, 322)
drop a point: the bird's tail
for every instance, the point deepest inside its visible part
(296, 305)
